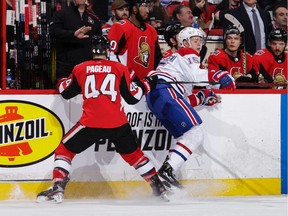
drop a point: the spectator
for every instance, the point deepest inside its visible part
(244, 14)
(232, 58)
(170, 104)
(272, 62)
(172, 5)
(102, 91)
(120, 11)
(280, 13)
(222, 8)
(158, 17)
(170, 34)
(203, 10)
(72, 27)
(134, 42)
(183, 15)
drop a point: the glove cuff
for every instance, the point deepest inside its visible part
(194, 100)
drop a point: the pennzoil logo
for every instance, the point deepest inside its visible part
(29, 133)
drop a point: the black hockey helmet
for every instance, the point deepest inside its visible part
(100, 44)
(171, 31)
(278, 34)
(232, 29)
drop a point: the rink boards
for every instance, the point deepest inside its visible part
(244, 150)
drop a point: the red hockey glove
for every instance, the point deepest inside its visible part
(225, 79)
(208, 97)
(148, 84)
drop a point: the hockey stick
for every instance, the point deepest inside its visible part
(187, 82)
(247, 84)
(238, 25)
(210, 27)
(203, 51)
(234, 21)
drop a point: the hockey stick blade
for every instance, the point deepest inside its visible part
(234, 21)
(210, 27)
(212, 22)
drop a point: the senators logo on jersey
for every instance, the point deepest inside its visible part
(144, 53)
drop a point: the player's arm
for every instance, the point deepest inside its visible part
(117, 45)
(132, 92)
(68, 87)
(265, 74)
(158, 54)
(117, 38)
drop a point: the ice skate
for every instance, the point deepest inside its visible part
(53, 194)
(168, 186)
(166, 172)
(158, 188)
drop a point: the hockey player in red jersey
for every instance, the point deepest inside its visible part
(173, 103)
(170, 34)
(134, 42)
(232, 58)
(102, 83)
(272, 62)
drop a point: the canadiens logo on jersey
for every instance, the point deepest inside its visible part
(144, 52)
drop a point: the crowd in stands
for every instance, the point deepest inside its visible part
(207, 14)
(254, 30)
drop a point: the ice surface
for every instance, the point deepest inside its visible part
(212, 206)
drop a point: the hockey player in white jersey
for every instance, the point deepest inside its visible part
(172, 103)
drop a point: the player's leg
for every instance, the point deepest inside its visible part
(127, 147)
(178, 117)
(76, 140)
(184, 147)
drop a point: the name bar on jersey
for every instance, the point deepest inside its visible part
(98, 68)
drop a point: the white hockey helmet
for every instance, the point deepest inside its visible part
(188, 32)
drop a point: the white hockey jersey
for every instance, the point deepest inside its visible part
(183, 65)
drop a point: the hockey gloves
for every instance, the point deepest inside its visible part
(225, 79)
(204, 97)
(208, 97)
(148, 84)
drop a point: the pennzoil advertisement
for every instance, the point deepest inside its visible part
(29, 133)
(241, 140)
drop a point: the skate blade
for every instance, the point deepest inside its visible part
(165, 197)
(56, 198)
(168, 186)
(40, 199)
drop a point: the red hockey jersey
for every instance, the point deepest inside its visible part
(102, 84)
(220, 60)
(137, 46)
(271, 67)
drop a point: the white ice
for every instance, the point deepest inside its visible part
(208, 206)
